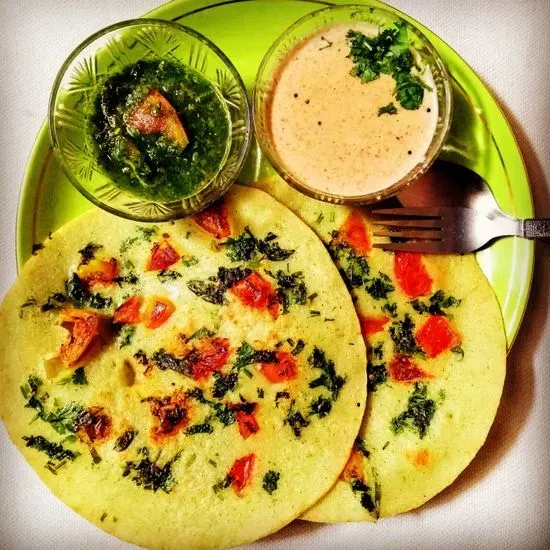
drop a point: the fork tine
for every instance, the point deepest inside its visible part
(412, 234)
(430, 247)
(428, 212)
(415, 222)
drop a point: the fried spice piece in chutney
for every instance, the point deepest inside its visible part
(161, 129)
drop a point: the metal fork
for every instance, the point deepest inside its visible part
(448, 229)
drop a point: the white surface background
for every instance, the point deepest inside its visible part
(503, 499)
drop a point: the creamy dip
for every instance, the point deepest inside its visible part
(325, 123)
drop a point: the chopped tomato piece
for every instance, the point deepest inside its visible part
(284, 369)
(241, 472)
(437, 335)
(372, 325)
(98, 271)
(127, 313)
(171, 413)
(155, 115)
(354, 233)
(419, 458)
(247, 422)
(403, 369)
(84, 326)
(163, 255)
(93, 425)
(354, 468)
(158, 312)
(411, 274)
(214, 220)
(210, 356)
(274, 305)
(255, 291)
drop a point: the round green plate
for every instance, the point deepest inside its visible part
(480, 139)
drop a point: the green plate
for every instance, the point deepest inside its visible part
(480, 139)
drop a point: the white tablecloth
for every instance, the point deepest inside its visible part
(503, 499)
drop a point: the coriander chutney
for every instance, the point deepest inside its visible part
(161, 129)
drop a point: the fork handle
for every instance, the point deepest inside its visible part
(536, 228)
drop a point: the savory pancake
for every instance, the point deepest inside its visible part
(194, 384)
(436, 364)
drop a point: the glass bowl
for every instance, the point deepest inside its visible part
(110, 51)
(312, 24)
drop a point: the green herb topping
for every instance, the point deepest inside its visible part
(376, 375)
(361, 447)
(419, 412)
(291, 290)
(168, 275)
(271, 481)
(55, 451)
(77, 291)
(150, 474)
(246, 247)
(329, 379)
(78, 378)
(388, 109)
(88, 253)
(387, 53)
(436, 305)
(401, 332)
(126, 335)
(213, 290)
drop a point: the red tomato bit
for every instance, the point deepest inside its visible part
(241, 472)
(246, 420)
(214, 220)
(437, 335)
(354, 233)
(127, 313)
(403, 369)
(163, 255)
(284, 369)
(372, 325)
(93, 425)
(98, 271)
(411, 274)
(210, 356)
(171, 412)
(158, 312)
(256, 292)
(84, 326)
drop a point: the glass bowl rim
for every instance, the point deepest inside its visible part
(54, 142)
(439, 136)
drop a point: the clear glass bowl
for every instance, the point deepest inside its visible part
(312, 24)
(108, 52)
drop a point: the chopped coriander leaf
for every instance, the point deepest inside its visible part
(281, 395)
(168, 275)
(77, 291)
(300, 345)
(203, 332)
(260, 393)
(246, 247)
(377, 352)
(291, 290)
(53, 450)
(214, 288)
(204, 428)
(437, 304)
(147, 233)
(321, 407)
(58, 297)
(401, 332)
(78, 377)
(379, 287)
(126, 335)
(376, 375)
(270, 481)
(419, 413)
(296, 420)
(88, 252)
(224, 383)
(126, 244)
(361, 447)
(130, 279)
(190, 261)
(388, 109)
(390, 309)
(353, 268)
(222, 484)
(150, 474)
(329, 379)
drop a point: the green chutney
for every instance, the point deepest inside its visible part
(151, 165)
